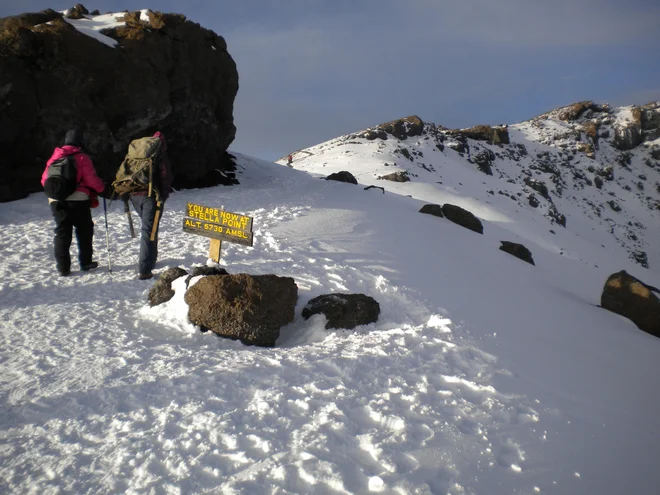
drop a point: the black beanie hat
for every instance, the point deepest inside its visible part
(73, 138)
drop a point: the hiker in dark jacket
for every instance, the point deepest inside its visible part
(150, 210)
(74, 211)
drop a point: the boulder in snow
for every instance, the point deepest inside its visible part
(432, 210)
(249, 308)
(344, 310)
(463, 217)
(343, 176)
(630, 297)
(517, 250)
(162, 290)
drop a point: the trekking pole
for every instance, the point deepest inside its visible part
(127, 210)
(107, 235)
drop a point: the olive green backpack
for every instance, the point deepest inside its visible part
(136, 173)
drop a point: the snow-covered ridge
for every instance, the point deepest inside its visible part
(587, 167)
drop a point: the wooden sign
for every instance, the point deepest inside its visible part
(218, 225)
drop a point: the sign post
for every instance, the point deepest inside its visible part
(214, 250)
(219, 226)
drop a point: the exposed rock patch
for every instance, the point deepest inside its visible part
(402, 128)
(495, 135)
(484, 161)
(539, 186)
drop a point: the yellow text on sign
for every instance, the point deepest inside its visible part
(215, 215)
(210, 227)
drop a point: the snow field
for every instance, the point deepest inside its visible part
(456, 389)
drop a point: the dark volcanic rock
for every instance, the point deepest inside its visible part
(167, 74)
(250, 308)
(162, 290)
(343, 176)
(630, 297)
(463, 217)
(432, 210)
(344, 310)
(517, 250)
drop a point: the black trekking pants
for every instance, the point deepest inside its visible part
(71, 215)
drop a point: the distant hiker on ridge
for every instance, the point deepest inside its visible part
(145, 177)
(72, 186)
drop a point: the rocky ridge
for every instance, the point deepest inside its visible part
(604, 161)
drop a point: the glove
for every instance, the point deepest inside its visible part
(108, 192)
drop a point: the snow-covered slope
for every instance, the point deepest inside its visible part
(572, 163)
(483, 374)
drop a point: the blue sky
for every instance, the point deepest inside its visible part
(311, 70)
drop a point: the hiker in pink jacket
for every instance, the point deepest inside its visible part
(74, 211)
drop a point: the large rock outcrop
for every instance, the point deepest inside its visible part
(625, 295)
(495, 135)
(249, 308)
(165, 73)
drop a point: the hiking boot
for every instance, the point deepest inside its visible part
(64, 273)
(91, 266)
(145, 276)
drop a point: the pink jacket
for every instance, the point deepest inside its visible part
(89, 182)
